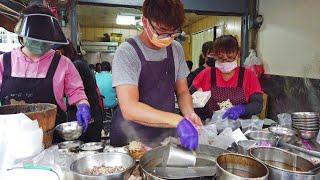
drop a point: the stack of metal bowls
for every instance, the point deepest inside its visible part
(306, 124)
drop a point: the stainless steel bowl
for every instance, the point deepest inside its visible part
(80, 167)
(239, 167)
(70, 145)
(305, 115)
(244, 146)
(92, 146)
(264, 138)
(285, 134)
(307, 134)
(69, 130)
(85, 154)
(116, 149)
(306, 124)
(283, 164)
(314, 128)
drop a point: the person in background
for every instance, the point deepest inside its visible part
(98, 68)
(92, 67)
(33, 73)
(205, 60)
(104, 82)
(189, 64)
(148, 70)
(94, 130)
(228, 81)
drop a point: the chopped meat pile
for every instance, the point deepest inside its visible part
(105, 170)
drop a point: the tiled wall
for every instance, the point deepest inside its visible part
(96, 34)
(232, 26)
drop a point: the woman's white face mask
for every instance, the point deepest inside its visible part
(226, 67)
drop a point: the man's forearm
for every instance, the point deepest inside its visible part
(185, 103)
(146, 115)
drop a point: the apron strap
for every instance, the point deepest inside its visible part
(240, 77)
(213, 77)
(6, 65)
(138, 50)
(169, 52)
(53, 66)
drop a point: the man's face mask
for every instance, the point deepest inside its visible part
(36, 47)
(160, 41)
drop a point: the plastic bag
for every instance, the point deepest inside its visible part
(285, 120)
(222, 124)
(207, 134)
(224, 139)
(253, 124)
(254, 63)
(318, 137)
(200, 98)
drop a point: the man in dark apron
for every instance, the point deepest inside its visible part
(38, 30)
(148, 70)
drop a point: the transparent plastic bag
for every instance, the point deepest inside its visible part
(224, 139)
(285, 120)
(221, 123)
(254, 63)
(207, 134)
(253, 124)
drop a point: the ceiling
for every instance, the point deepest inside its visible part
(102, 16)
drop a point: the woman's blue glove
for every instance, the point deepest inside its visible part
(83, 116)
(188, 134)
(235, 112)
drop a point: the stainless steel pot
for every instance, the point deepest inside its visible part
(284, 165)
(80, 167)
(206, 156)
(239, 167)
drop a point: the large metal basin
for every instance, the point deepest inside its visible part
(206, 156)
(240, 167)
(80, 167)
(284, 165)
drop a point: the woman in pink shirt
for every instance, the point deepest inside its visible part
(34, 73)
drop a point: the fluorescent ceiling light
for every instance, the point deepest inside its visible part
(126, 20)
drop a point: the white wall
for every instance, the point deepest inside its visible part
(289, 40)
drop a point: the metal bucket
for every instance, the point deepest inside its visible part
(206, 156)
(239, 167)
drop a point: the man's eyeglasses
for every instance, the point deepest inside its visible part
(165, 35)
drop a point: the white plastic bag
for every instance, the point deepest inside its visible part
(20, 138)
(221, 123)
(252, 59)
(285, 120)
(254, 63)
(200, 98)
(207, 134)
(224, 139)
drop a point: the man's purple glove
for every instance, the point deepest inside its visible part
(235, 112)
(188, 134)
(83, 116)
